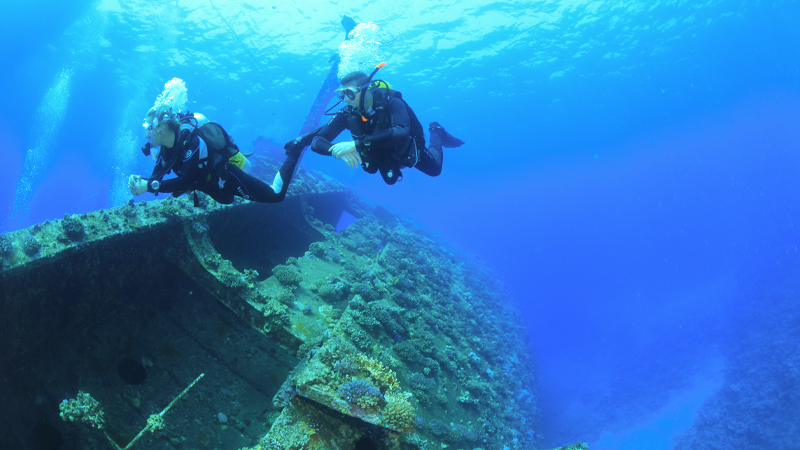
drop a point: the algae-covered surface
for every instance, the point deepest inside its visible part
(379, 334)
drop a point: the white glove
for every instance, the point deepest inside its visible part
(346, 151)
(352, 159)
(339, 149)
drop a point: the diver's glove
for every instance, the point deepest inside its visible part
(346, 151)
(300, 142)
(137, 185)
(293, 146)
(337, 150)
(351, 159)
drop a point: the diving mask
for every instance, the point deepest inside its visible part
(347, 92)
(150, 148)
(149, 134)
(151, 122)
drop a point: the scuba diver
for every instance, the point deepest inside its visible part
(203, 156)
(387, 135)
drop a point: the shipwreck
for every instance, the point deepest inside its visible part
(291, 334)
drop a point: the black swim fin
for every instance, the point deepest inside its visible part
(448, 140)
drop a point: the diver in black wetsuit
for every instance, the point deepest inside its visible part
(204, 158)
(387, 135)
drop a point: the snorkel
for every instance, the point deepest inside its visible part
(363, 88)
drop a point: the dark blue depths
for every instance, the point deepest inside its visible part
(641, 210)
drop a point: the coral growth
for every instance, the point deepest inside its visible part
(421, 382)
(277, 316)
(233, 278)
(284, 295)
(407, 351)
(31, 246)
(287, 275)
(73, 228)
(317, 249)
(438, 428)
(459, 433)
(383, 376)
(333, 291)
(168, 207)
(6, 246)
(398, 414)
(83, 409)
(361, 392)
(346, 366)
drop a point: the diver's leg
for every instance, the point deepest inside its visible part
(251, 188)
(431, 158)
(436, 137)
(241, 184)
(284, 176)
(221, 196)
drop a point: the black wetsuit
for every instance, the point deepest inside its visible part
(222, 181)
(384, 142)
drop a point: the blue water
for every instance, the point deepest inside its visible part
(631, 169)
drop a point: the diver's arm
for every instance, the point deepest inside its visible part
(139, 185)
(391, 137)
(322, 141)
(158, 170)
(190, 168)
(161, 168)
(177, 184)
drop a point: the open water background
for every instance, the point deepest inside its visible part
(631, 171)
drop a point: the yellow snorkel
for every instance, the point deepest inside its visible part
(363, 87)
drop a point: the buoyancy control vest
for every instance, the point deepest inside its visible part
(381, 120)
(220, 148)
(220, 145)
